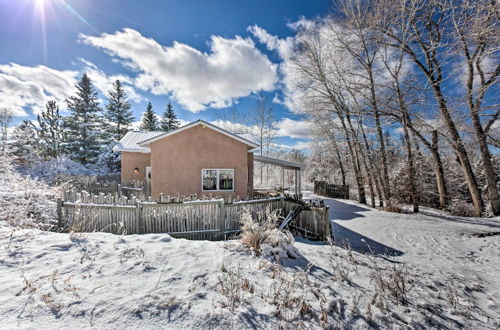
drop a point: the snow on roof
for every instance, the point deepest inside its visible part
(130, 141)
(148, 141)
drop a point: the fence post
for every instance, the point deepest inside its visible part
(222, 220)
(59, 213)
(326, 218)
(139, 217)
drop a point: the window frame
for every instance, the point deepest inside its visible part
(218, 178)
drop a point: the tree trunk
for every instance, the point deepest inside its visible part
(339, 158)
(481, 136)
(411, 169)
(385, 182)
(438, 171)
(489, 172)
(374, 170)
(355, 162)
(461, 153)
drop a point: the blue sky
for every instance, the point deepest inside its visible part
(199, 55)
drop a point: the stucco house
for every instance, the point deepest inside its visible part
(198, 158)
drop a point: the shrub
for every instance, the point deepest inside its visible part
(264, 238)
(461, 208)
(24, 201)
(49, 170)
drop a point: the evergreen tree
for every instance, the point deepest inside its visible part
(169, 120)
(109, 161)
(50, 131)
(24, 145)
(83, 135)
(149, 120)
(118, 113)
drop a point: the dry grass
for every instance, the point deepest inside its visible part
(255, 232)
(230, 284)
(392, 283)
(394, 208)
(261, 235)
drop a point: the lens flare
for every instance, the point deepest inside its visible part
(40, 11)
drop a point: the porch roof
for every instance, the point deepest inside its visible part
(279, 162)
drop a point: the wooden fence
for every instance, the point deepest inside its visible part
(326, 189)
(92, 185)
(213, 219)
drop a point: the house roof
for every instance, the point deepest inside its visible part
(150, 140)
(130, 141)
(280, 162)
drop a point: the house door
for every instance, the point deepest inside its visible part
(147, 181)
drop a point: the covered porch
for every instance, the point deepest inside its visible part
(284, 165)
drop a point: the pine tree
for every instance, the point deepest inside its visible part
(50, 131)
(118, 113)
(83, 135)
(169, 120)
(24, 145)
(149, 120)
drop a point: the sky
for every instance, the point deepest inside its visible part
(205, 57)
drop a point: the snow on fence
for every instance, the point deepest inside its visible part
(326, 189)
(187, 217)
(92, 186)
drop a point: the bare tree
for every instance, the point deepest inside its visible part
(476, 26)
(6, 116)
(263, 130)
(360, 40)
(316, 74)
(420, 29)
(394, 66)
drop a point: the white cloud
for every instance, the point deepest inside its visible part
(301, 145)
(233, 68)
(104, 82)
(299, 129)
(286, 127)
(30, 87)
(233, 127)
(23, 87)
(302, 23)
(284, 48)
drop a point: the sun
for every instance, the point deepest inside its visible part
(40, 3)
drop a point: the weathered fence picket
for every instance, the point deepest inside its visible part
(205, 218)
(326, 189)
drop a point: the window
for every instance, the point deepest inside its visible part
(217, 179)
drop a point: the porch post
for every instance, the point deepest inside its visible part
(296, 184)
(299, 184)
(282, 181)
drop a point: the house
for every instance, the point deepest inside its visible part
(198, 158)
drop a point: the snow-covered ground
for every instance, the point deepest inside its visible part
(420, 271)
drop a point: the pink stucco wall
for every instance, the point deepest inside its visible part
(131, 160)
(177, 161)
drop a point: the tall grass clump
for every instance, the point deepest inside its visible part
(261, 235)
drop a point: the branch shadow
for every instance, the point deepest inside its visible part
(487, 222)
(361, 243)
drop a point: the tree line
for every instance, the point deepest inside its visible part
(87, 133)
(427, 70)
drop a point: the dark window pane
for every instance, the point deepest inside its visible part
(209, 179)
(226, 180)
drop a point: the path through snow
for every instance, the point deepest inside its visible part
(467, 249)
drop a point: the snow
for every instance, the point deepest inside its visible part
(51, 169)
(25, 201)
(449, 266)
(130, 141)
